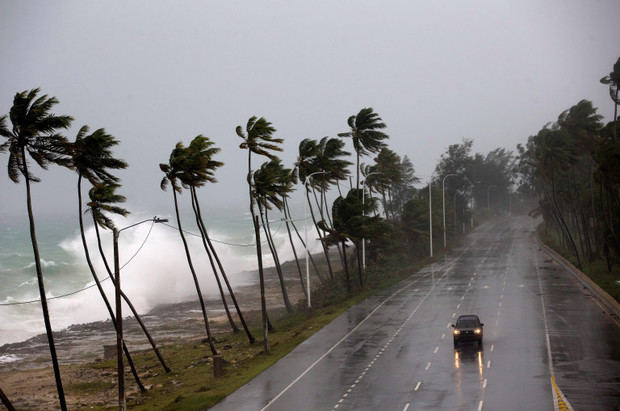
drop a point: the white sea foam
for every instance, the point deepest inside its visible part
(44, 263)
(4, 359)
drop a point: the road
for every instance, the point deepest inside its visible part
(395, 351)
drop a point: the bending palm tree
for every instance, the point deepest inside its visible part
(90, 157)
(366, 134)
(199, 170)
(258, 138)
(35, 132)
(172, 172)
(272, 182)
(102, 199)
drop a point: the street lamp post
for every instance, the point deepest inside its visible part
(443, 197)
(119, 316)
(306, 235)
(363, 214)
(430, 217)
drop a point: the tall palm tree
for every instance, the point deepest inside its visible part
(199, 171)
(91, 156)
(173, 170)
(366, 135)
(35, 133)
(103, 199)
(272, 182)
(258, 139)
(307, 164)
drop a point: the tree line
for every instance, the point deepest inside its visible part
(571, 166)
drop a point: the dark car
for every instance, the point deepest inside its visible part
(467, 328)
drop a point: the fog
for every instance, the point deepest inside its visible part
(154, 73)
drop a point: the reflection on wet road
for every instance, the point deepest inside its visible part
(395, 351)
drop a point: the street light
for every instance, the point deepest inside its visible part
(306, 235)
(443, 197)
(119, 316)
(364, 213)
(430, 216)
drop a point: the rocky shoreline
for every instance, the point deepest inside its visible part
(80, 343)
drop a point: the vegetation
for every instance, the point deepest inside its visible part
(571, 168)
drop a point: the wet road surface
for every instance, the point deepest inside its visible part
(395, 351)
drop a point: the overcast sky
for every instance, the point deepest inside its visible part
(157, 72)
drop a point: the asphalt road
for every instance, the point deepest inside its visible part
(395, 351)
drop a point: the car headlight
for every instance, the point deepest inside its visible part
(456, 332)
(478, 330)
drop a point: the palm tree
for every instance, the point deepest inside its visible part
(258, 138)
(366, 134)
(91, 157)
(613, 79)
(35, 133)
(272, 182)
(104, 199)
(306, 165)
(200, 171)
(173, 170)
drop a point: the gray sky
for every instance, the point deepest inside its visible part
(157, 72)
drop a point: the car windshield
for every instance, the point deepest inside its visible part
(467, 323)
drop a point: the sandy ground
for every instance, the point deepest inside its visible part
(29, 382)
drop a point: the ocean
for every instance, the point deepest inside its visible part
(154, 266)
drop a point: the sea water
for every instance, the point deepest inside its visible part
(154, 266)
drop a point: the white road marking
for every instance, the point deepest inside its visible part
(458, 306)
(435, 350)
(443, 336)
(427, 366)
(521, 285)
(480, 405)
(500, 304)
(485, 286)
(453, 315)
(417, 386)
(449, 325)
(484, 384)
(489, 364)
(492, 347)
(406, 407)
(462, 297)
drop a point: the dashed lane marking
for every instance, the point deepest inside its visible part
(406, 407)
(427, 366)
(435, 350)
(417, 386)
(489, 364)
(492, 347)
(480, 405)
(484, 384)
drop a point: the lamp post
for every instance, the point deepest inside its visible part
(363, 214)
(306, 235)
(443, 197)
(119, 316)
(430, 217)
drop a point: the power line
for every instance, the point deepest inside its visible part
(89, 286)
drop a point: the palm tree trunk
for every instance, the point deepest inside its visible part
(100, 288)
(37, 261)
(233, 326)
(325, 248)
(191, 267)
(316, 269)
(5, 401)
(276, 260)
(263, 303)
(251, 338)
(290, 239)
(129, 303)
(329, 219)
(570, 237)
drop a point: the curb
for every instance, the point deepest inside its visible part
(607, 301)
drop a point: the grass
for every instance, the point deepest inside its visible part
(191, 384)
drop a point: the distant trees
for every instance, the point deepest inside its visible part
(572, 167)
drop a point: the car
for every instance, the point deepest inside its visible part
(467, 328)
